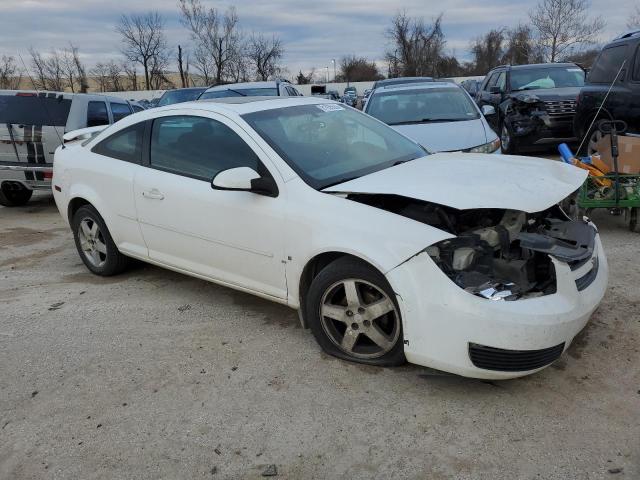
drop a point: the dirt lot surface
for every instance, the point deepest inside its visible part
(152, 374)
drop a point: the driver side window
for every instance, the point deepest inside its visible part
(197, 147)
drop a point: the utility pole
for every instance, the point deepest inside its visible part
(333, 60)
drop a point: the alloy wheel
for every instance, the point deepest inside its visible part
(505, 139)
(92, 242)
(359, 318)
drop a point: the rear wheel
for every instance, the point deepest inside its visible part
(14, 194)
(353, 314)
(95, 245)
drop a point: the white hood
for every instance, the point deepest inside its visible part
(446, 136)
(474, 180)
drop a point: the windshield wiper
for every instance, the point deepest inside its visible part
(236, 91)
(432, 120)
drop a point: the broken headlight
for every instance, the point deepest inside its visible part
(490, 261)
(490, 147)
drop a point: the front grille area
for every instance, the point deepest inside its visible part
(498, 359)
(558, 108)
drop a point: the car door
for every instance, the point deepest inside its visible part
(109, 167)
(234, 237)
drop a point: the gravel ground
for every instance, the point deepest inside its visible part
(152, 374)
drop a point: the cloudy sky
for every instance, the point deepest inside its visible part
(313, 32)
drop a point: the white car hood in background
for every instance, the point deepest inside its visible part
(446, 136)
(474, 180)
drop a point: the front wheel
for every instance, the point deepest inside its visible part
(14, 194)
(507, 141)
(353, 314)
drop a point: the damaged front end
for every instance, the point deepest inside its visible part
(526, 113)
(498, 254)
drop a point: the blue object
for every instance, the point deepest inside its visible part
(565, 152)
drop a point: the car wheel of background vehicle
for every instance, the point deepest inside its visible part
(94, 243)
(14, 195)
(595, 135)
(633, 218)
(353, 314)
(507, 142)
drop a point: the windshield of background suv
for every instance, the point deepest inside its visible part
(546, 77)
(397, 107)
(179, 96)
(240, 92)
(327, 144)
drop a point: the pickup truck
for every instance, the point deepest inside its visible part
(32, 126)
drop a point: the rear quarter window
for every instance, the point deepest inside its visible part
(34, 110)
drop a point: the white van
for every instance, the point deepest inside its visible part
(32, 125)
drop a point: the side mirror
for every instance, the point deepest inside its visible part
(245, 179)
(488, 110)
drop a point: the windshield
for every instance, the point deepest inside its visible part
(240, 92)
(179, 96)
(421, 106)
(327, 144)
(546, 77)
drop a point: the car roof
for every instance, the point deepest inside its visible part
(66, 95)
(242, 105)
(244, 85)
(417, 86)
(537, 65)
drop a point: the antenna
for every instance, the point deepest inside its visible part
(586, 134)
(44, 105)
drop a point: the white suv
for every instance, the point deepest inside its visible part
(275, 88)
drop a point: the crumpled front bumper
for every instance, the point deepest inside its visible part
(440, 320)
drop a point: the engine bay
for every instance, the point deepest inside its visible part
(498, 254)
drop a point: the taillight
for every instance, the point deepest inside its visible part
(48, 175)
(25, 94)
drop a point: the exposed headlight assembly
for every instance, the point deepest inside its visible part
(490, 147)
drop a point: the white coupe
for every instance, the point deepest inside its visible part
(457, 261)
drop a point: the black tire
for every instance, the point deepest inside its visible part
(110, 260)
(14, 195)
(633, 219)
(507, 141)
(374, 290)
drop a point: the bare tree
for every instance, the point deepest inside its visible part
(38, 64)
(264, 54)
(633, 22)
(131, 73)
(357, 69)
(100, 73)
(417, 47)
(216, 35)
(10, 73)
(184, 81)
(564, 25)
(521, 48)
(81, 73)
(115, 77)
(143, 41)
(487, 51)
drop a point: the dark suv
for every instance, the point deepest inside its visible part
(623, 102)
(534, 104)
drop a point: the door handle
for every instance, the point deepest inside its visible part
(153, 194)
